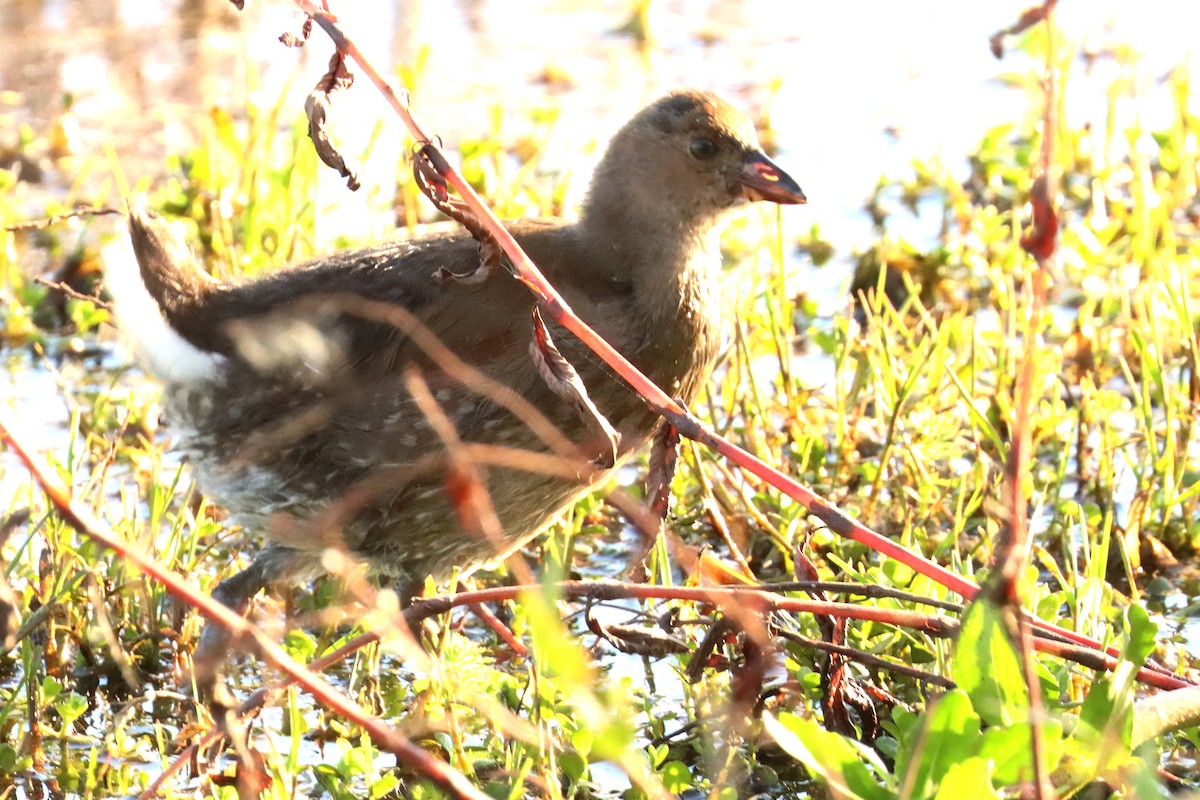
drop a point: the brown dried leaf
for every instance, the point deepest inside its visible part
(565, 382)
(290, 39)
(429, 170)
(664, 458)
(805, 570)
(249, 776)
(847, 705)
(706, 652)
(637, 640)
(252, 776)
(747, 679)
(1028, 18)
(1040, 241)
(318, 104)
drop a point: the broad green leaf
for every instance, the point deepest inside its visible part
(51, 689)
(951, 736)
(1010, 750)
(1104, 713)
(968, 779)
(558, 653)
(582, 740)
(1142, 633)
(572, 764)
(71, 707)
(676, 777)
(8, 757)
(386, 784)
(847, 767)
(988, 668)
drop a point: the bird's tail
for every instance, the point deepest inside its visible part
(155, 283)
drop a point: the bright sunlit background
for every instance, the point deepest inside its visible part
(854, 90)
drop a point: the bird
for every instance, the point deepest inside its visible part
(287, 396)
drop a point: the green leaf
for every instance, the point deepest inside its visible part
(1104, 711)
(51, 689)
(951, 736)
(971, 778)
(70, 708)
(1143, 635)
(1011, 754)
(385, 785)
(573, 765)
(299, 644)
(988, 668)
(582, 740)
(559, 654)
(8, 757)
(676, 777)
(848, 768)
(658, 754)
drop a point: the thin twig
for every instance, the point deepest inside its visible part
(54, 219)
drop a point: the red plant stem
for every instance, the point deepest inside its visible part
(385, 736)
(1013, 565)
(656, 398)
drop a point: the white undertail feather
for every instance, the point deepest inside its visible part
(170, 357)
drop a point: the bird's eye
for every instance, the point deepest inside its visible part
(702, 148)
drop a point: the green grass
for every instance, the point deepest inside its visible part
(910, 436)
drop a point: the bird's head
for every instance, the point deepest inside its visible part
(685, 158)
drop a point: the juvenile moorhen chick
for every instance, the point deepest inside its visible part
(286, 399)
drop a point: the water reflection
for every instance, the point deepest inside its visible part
(126, 67)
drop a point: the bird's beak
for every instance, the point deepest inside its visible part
(760, 179)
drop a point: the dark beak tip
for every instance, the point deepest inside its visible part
(762, 179)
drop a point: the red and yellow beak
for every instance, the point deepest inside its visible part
(761, 179)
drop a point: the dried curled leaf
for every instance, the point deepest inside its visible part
(1040, 241)
(429, 169)
(290, 39)
(664, 457)
(637, 640)
(565, 382)
(249, 775)
(1028, 18)
(847, 705)
(337, 79)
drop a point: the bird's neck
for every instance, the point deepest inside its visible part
(672, 268)
(655, 248)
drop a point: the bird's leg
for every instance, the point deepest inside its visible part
(274, 566)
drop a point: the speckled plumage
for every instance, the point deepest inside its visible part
(305, 398)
